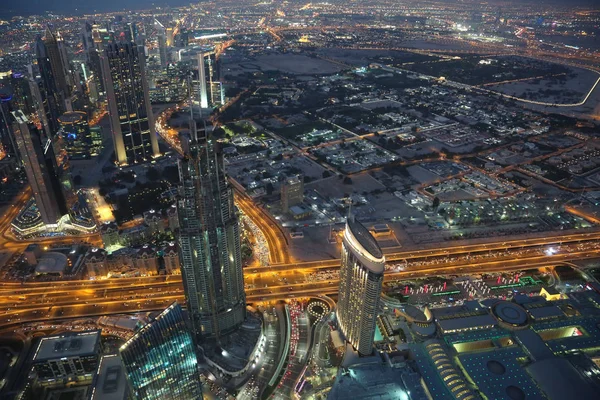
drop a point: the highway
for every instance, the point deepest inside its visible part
(41, 301)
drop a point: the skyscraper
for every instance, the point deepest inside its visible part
(161, 35)
(160, 359)
(202, 80)
(209, 240)
(131, 119)
(38, 159)
(57, 55)
(50, 101)
(361, 276)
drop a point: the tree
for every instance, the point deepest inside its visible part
(77, 180)
(326, 174)
(153, 174)
(171, 174)
(436, 203)
(269, 188)
(347, 180)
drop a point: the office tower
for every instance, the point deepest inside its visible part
(209, 240)
(93, 80)
(131, 119)
(87, 38)
(50, 102)
(361, 276)
(160, 359)
(292, 192)
(37, 155)
(75, 134)
(66, 359)
(131, 32)
(57, 56)
(202, 80)
(209, 74)
(7, 141)
(170, 33)
(162, 43)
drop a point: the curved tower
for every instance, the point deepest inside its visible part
(209, 240)
(361, 276)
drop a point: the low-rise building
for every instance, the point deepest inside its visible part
(67, 359)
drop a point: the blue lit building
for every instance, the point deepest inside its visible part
(160, 359)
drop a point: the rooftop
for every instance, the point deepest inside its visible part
(364, 237)
(111, 383)
(67, 345)
(51, 263)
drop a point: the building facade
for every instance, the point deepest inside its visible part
(160, 359)
(130, 113)
(38, 159)
(292, 192)
(70, 358)
(75, 134)
(209, 240)
(361, 277)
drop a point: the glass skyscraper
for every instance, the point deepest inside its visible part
(209, 240)
(37, 154)
(160, 359)
(131, 119)
(361, 276)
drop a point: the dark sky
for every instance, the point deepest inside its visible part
(10, 8)
(28, 7)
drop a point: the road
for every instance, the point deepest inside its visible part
(42, 301)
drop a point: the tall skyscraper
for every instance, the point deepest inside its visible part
(50, 101)
(361, 276)
(131, 119)
(202, 80)
(161, 33)
(38, 159)
(160, 359)
(209, 240)
(57, 57)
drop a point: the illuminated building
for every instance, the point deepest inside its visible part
(209, 240)
(67, 359)
(38, 159)
(202, 80)
(130, 113)
(160, 359)
(209, 87)
(361, 276)
(162, 43)
(292, 192)
(75, 133)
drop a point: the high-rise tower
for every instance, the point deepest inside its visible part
(209, 240)
(160, 359)
(361, 276)
(38, 159)
(57, 55)
(131, 119)
(50, 100)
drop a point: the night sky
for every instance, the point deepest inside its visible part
(10, 8)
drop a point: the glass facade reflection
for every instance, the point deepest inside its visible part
(160, 359)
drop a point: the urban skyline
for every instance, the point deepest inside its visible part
(330, 200)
